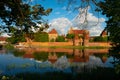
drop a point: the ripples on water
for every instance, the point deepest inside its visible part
(69, 60)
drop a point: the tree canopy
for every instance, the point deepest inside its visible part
(21, 15)
(111, 8)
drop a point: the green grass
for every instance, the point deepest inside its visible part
(76, 47)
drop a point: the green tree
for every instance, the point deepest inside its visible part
(41, 37)
(100, 39)
(60, 39)
(22, 15)
(71, 36)
(111, 9)
(16, 37)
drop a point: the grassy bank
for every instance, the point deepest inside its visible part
(76, 47)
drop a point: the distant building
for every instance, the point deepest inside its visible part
(53, 35)
(81, 36)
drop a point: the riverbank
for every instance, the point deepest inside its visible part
(61, 45)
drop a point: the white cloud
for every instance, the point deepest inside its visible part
(61, 25)
(93, 24)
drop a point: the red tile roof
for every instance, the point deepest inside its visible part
(53, 31)
(3, 38)
(78, 31)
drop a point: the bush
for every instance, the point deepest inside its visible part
(100, 39)
(9, 46)
(41, 37)
(60, 39)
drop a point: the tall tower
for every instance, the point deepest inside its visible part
(70, 31)
(86, 38)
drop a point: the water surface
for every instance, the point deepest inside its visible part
(43, 60)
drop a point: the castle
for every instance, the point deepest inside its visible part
(81, 37)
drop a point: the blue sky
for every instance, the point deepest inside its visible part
(62, 20)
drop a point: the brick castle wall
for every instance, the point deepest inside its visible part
(38, 44)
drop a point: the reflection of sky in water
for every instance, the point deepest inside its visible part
(10, 64)
(108, 62)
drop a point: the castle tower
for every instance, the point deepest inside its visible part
(86, 38)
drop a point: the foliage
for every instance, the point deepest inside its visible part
(9, 46)
(115, 53)
(52, 40)
(16, 38)
(60, 39)
(111, 9)
(100, 39)
(70, 36)
(22, 15)
(41, 37)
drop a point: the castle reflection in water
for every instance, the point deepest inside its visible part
(47, 59)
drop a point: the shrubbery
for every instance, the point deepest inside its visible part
(100, 39)
(41, 37)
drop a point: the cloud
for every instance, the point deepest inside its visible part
(57, 12)
(93, 24)
(61, 25)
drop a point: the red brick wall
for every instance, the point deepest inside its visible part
(104, 44)
(38, 44)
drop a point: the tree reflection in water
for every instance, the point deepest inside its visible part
(49, 60)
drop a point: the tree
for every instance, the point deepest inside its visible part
(60, 39)
(41, 37)
(111, 9)
(71, 36)
(22, 15)
(100, 39)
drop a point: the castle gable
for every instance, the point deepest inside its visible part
(53, 31)
(78, 31)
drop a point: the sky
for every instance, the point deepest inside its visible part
(62, 19)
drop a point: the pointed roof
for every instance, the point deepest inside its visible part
(53, 31)
(104, 33)
(76, 31)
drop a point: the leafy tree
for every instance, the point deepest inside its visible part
(71, 36)
(41, 37)
(100, 39)
(60, 39)
(22, 15)
(15, 38)
(111, 9)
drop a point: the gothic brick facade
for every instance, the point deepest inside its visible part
(81, 36)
